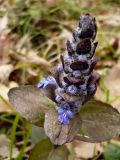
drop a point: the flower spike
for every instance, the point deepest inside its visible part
(76, 78)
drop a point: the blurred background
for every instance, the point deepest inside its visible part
(33, 34)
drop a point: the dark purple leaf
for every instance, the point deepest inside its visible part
(45, 150)
(100, 122)
(31, 103)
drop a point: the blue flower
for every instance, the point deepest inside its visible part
(49, 81)
(64, 114)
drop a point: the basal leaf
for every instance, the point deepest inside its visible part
(100, 122)
(59, 133)
(44, 150)
(31, 103)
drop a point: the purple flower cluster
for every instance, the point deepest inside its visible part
(74, 80)
(64, 114)
(46, 82)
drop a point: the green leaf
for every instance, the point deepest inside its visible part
(58, 133)
(100, 122)
(31, 103)
(112, 152)
(44, 150)
(37, 135)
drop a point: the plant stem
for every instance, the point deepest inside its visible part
(72, 152)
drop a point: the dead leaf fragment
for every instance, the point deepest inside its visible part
(5, 147)
(5, 71)
(110, 19)
(112, 82)
(4, 105)
(87, 150)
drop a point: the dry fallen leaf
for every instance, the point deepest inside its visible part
(5, 147)
(3, 91)
(112, 81)
(112, 84)
(5, 71)
(3, 23)
(23, 51)
(87, 150)
(4, 105)
(110, 19)
(32, 57)
(4, 49)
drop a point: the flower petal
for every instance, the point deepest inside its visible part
(60, 118)
(42, 83)
(47, 81)
(69, 114)
(65, 119)
(61, 110)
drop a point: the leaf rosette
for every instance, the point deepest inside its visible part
(98, 121)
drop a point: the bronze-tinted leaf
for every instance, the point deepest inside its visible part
(45, 150)
(100, 122)
(59, 133)
(30, 102)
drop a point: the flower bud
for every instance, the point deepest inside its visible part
(72, 89)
